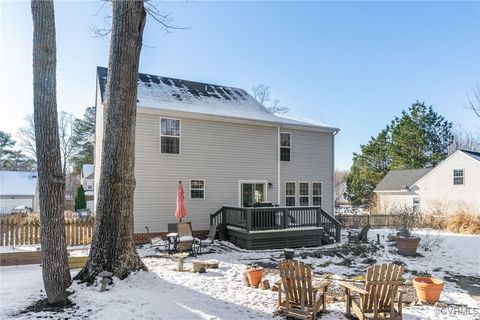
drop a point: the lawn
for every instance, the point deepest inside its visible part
(164, 293)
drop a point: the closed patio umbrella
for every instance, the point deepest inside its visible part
(180, 212)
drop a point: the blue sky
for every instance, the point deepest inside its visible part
(354, 65)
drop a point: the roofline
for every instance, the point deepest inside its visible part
(443, 161)
(383, 190)
(207, 116)
(465, 152)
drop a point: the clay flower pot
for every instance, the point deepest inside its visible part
(428, 289)
(407, 246)
(255, 276)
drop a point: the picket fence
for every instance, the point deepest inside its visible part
(15, 232)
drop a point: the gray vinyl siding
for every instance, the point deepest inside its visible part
(220, 153)
(311, 161)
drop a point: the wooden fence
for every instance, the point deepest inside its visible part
(15, 231)
(388, 220)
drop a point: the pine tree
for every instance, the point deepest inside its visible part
(83, 130)
(80, 202)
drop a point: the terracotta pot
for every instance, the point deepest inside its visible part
(428, 289)
(407, 246)
(255, 276)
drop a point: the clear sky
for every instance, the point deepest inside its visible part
(354, 65)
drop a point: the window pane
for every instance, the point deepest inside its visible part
(304, 189)
(317, 201)
(284, 139)
(197, 194)
(284, 154)
(170, 127)
(290, 201)
(317, 189)
(170, 145)
(197, 184)
(290, 189)
(259, 194)
(303, 201)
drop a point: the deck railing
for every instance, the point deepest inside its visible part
(277, 218)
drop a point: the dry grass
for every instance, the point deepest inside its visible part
(464, 223)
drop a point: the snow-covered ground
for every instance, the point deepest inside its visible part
(164, 293)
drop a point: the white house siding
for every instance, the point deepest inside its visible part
(312, 160)
(221, 153)
(437, 190)
(98, 143)
(388, 201)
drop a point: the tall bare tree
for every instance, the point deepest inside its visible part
(65, 131)
(51, 182)
(474, 101)
(262, 93)
(340, 186)
(113, 246)
(463, 140)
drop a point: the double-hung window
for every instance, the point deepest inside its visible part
(290, 194)
(169, 136)
(304, 193)
(285, 146)
(416, 204)
(197, 189)
(458, 176)
(317, 194)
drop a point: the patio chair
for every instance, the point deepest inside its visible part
(185, 238)
(211, 236)
(378, 296)
(302, 300)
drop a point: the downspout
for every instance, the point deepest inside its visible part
(278, 166)
(333, 172)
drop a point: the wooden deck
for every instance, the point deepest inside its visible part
(278, 227)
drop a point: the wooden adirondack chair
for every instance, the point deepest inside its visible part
(302, 299)
(378, 296)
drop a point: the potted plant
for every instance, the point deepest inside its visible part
(255, 275)
(289, 253)
(406, 219)
(428, 289)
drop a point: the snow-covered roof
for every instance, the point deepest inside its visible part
(17, 182)
(87, 171)
(189, 96)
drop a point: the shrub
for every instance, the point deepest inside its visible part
(406, 219)
(80, 202)
(464, 223)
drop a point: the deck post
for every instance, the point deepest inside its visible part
(224, 215)
(319, 217)
(285, 213)
(248, 219)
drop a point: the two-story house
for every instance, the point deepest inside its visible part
(225, 147)
(450, 187)
(87, 180)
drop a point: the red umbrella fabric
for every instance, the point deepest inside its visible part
(181, 211)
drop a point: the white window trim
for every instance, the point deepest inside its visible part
(265, 187)
(190, 189)
(280, 146)
(164, 135)
(321, 192)
(295, 194)
(303, 196)
(453, 177)
(416, 205)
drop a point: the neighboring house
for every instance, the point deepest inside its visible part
(17, 188)
(452, 186)
(224, 146)
(87, 179)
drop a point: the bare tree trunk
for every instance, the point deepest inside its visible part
(112, 247)
(56, 274)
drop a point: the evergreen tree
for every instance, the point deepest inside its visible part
(80, 202)
(13, 160)
(368, 168)
(418, 139)
(83, 130)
